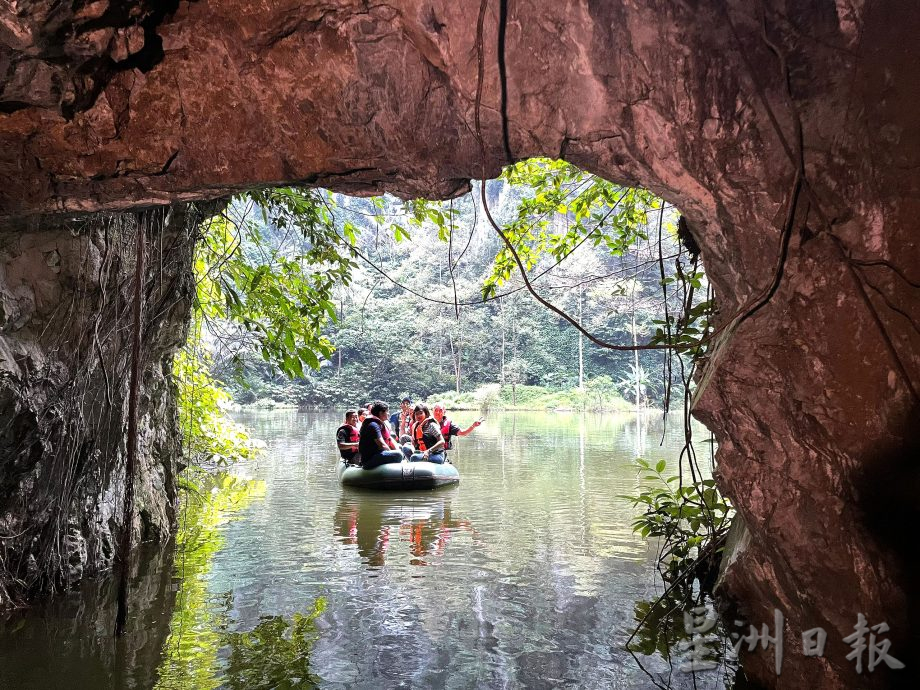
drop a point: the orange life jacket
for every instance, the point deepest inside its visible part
(418, 433)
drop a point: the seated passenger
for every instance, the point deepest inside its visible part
(426, 437)
(346, 437)
(375, 443)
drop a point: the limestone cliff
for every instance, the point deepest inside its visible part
(66, 298)
(787, 132)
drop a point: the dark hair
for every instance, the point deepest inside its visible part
(379, 408)
(349, 413)
(407, 399)
(422, 408)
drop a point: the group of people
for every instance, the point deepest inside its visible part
(370, 437)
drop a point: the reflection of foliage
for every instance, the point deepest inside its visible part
(190, 653)
(275, 654)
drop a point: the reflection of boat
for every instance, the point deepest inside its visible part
(399, 475)
(421, 524)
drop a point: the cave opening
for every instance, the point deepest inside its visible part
(103, 248)
(723, 108)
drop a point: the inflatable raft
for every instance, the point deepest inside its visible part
(399, 475)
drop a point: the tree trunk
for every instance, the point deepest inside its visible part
(501, 319)
(581, 341)
(458, 364)
(455, 351)
(636, 371)
(338, 371)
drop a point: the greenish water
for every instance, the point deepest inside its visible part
(526, 575)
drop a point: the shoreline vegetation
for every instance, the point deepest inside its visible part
(494, 398)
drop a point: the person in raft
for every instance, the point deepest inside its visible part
(346, 437)
(375, 444)
(426, 437)
(401, 422)
(448, 428)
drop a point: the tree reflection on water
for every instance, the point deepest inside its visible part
(275, 654)
(202, 651)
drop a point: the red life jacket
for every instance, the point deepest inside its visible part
(445, 432)
(353, 437)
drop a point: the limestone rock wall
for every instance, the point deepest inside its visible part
(787, 132)
(66, 299)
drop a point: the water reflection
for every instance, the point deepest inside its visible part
(67, 642)
(190, 655)
(274, 654)
(424, 522)
(527, 574)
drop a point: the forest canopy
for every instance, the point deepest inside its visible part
(317, 299)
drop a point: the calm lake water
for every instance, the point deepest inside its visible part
(526, 575)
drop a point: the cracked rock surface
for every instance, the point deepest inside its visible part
(787, 132)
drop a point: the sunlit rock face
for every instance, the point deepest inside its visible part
(788, 133)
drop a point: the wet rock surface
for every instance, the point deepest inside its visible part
(788, 133)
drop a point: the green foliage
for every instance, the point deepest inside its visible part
(209, 434)
(274, 292)
(691, 329)
(661, 629)
(659, 622)
(598, 391)
(279, 293)
(636, 377)
(691, 519)
(282, 288)
(610, 216)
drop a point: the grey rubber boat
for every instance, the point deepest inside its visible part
(399, 475)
